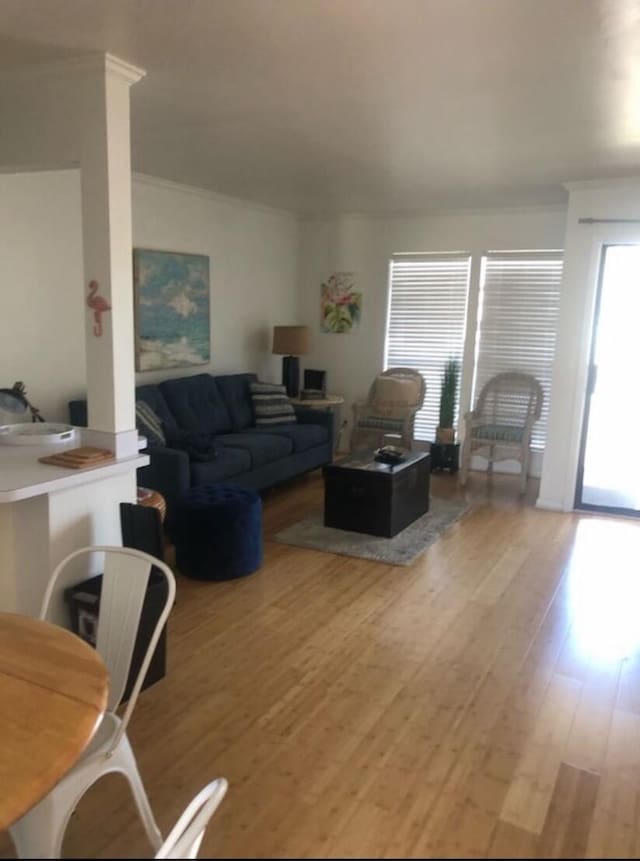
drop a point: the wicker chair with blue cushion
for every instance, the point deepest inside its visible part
(500, 426)
(394, 398)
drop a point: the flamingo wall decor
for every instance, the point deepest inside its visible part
(99, 305)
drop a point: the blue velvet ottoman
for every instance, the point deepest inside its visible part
(217, 530)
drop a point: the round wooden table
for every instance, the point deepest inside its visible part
(53, 693)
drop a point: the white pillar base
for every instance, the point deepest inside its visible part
(121, 443)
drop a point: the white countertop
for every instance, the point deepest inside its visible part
(22, 476)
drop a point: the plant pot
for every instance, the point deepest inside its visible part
(445, 435)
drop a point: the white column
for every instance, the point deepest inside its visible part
(468, 360)
(610, 202)
(106, 219)
(57, 115)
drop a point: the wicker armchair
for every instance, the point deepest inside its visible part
(394, 398)
(500, 426)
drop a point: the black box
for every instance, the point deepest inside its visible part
(141, 530)
(315, 380)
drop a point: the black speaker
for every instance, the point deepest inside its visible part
(315, 380)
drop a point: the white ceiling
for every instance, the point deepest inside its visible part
(364, 105)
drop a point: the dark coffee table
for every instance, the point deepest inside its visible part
(363, 495)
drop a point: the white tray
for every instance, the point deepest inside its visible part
(36, 433)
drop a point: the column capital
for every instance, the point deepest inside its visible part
(81, 64)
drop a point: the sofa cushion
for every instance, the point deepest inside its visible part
(152, 396)
(229, 462)
(381, 423)
(303, 437)
(149, 393)
(236, 394)
(197, 404)
(199, 446)
(499, 433)
(271, 405)
(263, 448)
(395, 394)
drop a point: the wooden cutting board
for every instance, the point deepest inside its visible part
(79, 458)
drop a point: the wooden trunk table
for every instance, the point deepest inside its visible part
(53, 693)
(364, 495)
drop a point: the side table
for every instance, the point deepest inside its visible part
(330, 404)
(153, 499)
(445, 455)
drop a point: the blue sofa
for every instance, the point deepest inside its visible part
(249, 456)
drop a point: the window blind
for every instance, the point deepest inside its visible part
(426, 322)
(518, 315)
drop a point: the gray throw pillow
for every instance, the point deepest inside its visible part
(271, 405)
(149, 425)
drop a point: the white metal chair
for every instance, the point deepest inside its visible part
(500, 426)
(186, 835)
(40, 832)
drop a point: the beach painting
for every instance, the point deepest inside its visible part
(171, 309)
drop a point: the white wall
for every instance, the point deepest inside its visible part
(253, 254)
(365, 245)
(254, 259)
(618, 199)
(42, 339)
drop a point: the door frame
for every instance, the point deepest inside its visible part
(590, 386)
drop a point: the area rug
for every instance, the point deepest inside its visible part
(402, 549)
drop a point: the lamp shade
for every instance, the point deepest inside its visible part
(290, 340)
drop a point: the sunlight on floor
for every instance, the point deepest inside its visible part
(604, 589)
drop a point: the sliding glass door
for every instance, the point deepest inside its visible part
(609, 468)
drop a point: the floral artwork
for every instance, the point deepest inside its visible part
(340, 303)
(172, 309)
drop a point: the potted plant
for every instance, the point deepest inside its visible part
(445, 432)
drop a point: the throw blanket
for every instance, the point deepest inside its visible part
(199, 446)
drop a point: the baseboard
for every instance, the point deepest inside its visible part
(550, 505)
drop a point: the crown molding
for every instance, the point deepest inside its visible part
(198, 191)
(603, 184)
(127, 71)
(78, 65)
(411, 215)
(54, 167)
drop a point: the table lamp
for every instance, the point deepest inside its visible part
(291, 342)
(14, 400)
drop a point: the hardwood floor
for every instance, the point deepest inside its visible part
(483, 702)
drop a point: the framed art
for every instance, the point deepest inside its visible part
(340, 303)
(172, 316)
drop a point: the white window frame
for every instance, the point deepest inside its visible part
(433, 391)
(541, 254)
(467, 394)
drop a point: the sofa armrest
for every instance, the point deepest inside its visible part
(309, 416)
(168, 472)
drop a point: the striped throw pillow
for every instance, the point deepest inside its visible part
(271, 406)
(149, 425)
